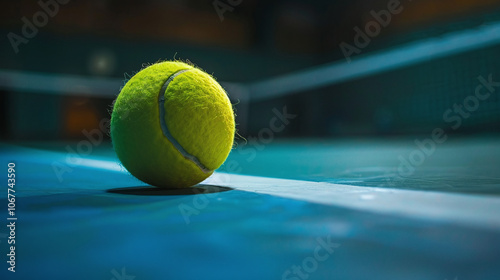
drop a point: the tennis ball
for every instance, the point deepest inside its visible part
(172, 125)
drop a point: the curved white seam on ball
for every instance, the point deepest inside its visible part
(164, 128)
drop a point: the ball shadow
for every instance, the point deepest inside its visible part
(154, 191)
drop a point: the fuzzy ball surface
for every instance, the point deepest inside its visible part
(172, 125)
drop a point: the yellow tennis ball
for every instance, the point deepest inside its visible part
(172, 125)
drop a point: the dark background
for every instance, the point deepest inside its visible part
(254, 40)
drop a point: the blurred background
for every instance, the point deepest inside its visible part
(63, 63)
(353, 91)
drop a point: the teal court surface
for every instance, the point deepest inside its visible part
(291, 212)
(382, 163)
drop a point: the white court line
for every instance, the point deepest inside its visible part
(464, 209)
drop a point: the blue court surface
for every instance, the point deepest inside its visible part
(292, 212)
(363, 140)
